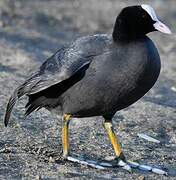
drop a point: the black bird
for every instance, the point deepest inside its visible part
(97, 75)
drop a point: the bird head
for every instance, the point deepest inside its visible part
(137, 21)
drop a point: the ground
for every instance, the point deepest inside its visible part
(30, 31)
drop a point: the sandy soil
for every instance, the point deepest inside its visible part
(30, 31)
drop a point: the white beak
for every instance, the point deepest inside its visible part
(159, 26)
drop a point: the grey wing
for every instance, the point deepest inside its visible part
(59, 67)
(62, 65)
(66, 62)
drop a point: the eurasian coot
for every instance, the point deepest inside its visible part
(97, 75)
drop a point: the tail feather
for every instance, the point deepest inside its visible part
(10, 106)
(32, 106)
(23, 89)
(19, 92)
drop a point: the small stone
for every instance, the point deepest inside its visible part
(148, 138)
(109, 158)
(37, 177)
(173, 88)
(17, 125)
(121, 126)
(51, 160)
(141, 178)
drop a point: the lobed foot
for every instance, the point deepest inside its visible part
(126, 165)
(90, 163)
(143, 167)
(100, 165)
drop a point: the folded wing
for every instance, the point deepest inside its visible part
(68, 62)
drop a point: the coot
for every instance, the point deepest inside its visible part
(97, 75)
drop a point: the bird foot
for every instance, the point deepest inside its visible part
(90, 163)
(148, 168)
(99, 165)
(126, 165)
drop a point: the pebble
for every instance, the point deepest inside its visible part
(148, 138)
(173, 88)
(141, 178)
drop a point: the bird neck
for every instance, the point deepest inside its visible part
(125, 33)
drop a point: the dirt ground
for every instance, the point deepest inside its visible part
(30, 31)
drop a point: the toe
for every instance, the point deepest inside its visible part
(91, 163)
(124, 166)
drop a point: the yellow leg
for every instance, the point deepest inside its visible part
(114, 140)
(65, 135)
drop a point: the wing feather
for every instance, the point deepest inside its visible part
(60, 67)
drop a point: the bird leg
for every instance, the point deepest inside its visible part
(65, 141)
(65, 135)
(114, 141)
(121, 162)
(116, 145)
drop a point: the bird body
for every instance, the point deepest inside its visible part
(97, 75)
(118, 75)
(115, 79)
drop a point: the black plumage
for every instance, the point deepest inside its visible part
(97, 75)
(94, 76)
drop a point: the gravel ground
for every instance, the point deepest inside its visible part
(30, 31)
